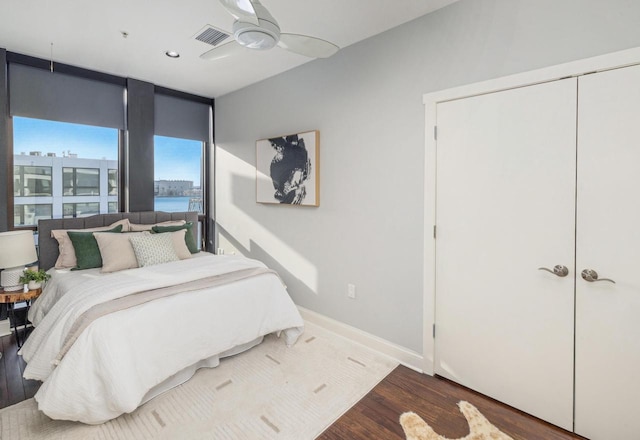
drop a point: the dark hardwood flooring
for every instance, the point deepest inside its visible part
(374, 417)
(13, 388)
(434, 399)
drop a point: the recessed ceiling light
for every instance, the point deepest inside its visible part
(172, 54)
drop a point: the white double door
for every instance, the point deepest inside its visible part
(533, 178)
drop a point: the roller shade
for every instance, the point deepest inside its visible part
(181, 118)
(41, 94)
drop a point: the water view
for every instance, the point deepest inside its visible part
(171, 204)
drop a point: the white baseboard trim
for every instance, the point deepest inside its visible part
(406, 357)
(5, 328)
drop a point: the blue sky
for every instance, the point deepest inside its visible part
(175, 159)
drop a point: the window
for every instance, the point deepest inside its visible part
(81, 181)
(113, 207)
(31, 181)
(178, 174)
(28, 215)
(112, 182)
(71, 210)
(54, 161)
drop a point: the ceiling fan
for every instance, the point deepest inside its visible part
(255, 28)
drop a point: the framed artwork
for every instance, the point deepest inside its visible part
(287, 169)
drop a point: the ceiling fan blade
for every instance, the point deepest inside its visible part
(307, 46)
(242, 10)
(222, 51)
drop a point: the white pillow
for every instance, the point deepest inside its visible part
(116, 251)
(153, 249)
(179, 245)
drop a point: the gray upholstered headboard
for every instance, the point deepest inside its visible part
(48, 246)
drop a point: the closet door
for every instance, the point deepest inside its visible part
(608, 241)
(505, 208)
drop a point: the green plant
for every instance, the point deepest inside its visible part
(32, 275)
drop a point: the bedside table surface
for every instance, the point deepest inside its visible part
(13, 297)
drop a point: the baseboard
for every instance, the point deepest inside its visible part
(5, 328)
(406, 357)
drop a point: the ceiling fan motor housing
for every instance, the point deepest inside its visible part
(262, 37)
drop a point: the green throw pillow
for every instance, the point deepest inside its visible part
(87, 250)
(188, 237)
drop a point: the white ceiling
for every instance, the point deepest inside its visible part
(88, 34)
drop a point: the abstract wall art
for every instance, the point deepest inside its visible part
(287, 169)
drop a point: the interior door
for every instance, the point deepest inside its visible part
(505, 208)
(608, 241)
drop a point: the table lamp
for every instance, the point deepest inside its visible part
(17, 248)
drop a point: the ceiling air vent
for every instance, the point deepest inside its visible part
(211, 35)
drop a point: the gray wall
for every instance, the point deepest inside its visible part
(140, 152)
(367, 103)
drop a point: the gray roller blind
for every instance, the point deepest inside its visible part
(38, 93)
(181, 118)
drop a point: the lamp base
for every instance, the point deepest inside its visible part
(10, 279)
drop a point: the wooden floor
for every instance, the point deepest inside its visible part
(13, 388)
(374, 417)
(434, 399)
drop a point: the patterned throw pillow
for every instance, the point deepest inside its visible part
(153, 249)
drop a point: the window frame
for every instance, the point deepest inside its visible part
(203, 169)
(205, 216)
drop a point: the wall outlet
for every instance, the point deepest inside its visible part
(351, 291)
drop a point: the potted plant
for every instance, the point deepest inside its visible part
(34, 278)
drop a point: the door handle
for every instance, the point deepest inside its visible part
(558, 270)
(591, 275)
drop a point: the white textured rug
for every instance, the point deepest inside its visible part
(268, 392)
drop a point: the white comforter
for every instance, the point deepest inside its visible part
(121, 356)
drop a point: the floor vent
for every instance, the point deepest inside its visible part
(211, 35)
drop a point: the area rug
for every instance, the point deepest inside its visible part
(480, 428)
(268, 392)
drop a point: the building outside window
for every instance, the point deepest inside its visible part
(30, 214)
(63, 170)
(72, 210)
(112, 182)
(81, 181)
(31, 181)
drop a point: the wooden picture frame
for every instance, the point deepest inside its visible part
(287, 169)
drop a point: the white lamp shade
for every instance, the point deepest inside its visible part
(17, 248)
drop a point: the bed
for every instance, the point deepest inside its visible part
(106, 343)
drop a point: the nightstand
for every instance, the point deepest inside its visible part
(10, 299)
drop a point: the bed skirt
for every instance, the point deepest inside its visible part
(184, 375)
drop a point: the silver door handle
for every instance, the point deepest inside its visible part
(558, 270)
(591, 276)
